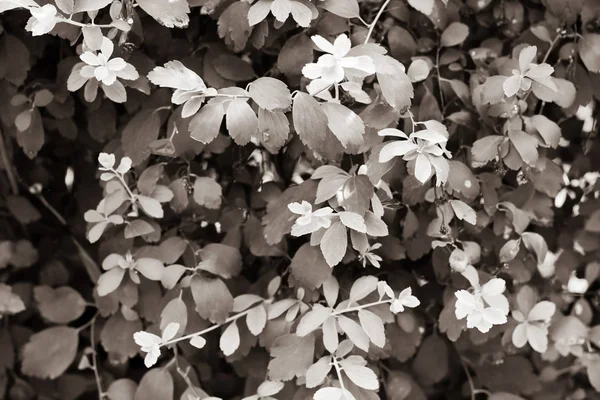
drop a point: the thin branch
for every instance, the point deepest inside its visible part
(94, 359)
(338, 371)
(362, 306)
(212, 328)
(92, 268)
(7, 165)
(439, 76)
(372, 26)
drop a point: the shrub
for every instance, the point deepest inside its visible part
(297, 199)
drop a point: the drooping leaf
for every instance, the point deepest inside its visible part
(49, 353)
(310, 120)
(141, 130)
(212, 297)
(309, 267)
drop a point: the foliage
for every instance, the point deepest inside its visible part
(299, 199)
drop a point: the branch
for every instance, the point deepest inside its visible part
(372, 26)
(7, 165)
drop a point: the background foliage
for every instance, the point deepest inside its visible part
(162, 163)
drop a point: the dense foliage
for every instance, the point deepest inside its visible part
(299, 199)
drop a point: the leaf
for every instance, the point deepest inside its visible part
(198, 342)
(592, 223)
(485, 149)
(137, 227)
(454, 34)
(140, 131)
(156, 384)
(207, 192)
(424, 6)
(356, 193)
(373, 326)
(462, 180)
(291, 356)
(233, 68)
(173, 14)
(310, 121)
(395, 85)
(256, 320)
(431, 363)
(279, 219)
(174, 312)
(589, 51)
(418, 70)
(526, 146)
(536, 243)
(363, 287)
(212, 297)
(117, 337)
(242, 122)
(334, 243)
(313, 320)
(150, 206)
(363, 377)
(220, 259)
(463, 211)
(175, 75)
(448, 322)
(32, 139)
(22, 209)
(354, 332)
(48, 353)
(295, 53)
(273, 129)
(345, 125)
(509, 251)
(549, 130)
(230, 339)
(90, 5)
(270, 93)
(61, 305)
(316, 373)
(309, 267)
(342, 8)
(206, 124)
(10, 303)
(122, 389)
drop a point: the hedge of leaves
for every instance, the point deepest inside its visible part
(299, 199)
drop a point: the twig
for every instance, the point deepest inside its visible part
(7, 165)
(338, 371)
(94, 359)
(372, 26)
(362, 306)
(184, 375)
(91, 266)
(439, 75)
(469, 378)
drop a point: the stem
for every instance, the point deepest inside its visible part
(91, 266)
(7, 166)
(211, 328)
(94, 360)
(122, 180)
(184, 375)
(82, 25)
(338, 371)
(372, 26)
(439, 75)
(337, 91)
(362, 306)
